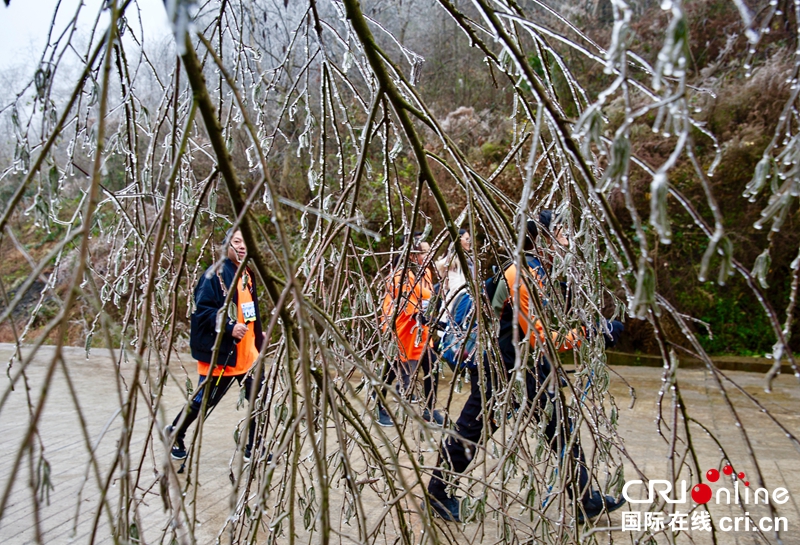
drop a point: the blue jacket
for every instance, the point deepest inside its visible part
(209, 298)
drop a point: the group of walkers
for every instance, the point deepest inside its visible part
(408, 308)
(429, 308)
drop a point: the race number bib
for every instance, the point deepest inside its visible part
(249, 312)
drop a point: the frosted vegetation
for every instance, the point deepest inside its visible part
(304, 123)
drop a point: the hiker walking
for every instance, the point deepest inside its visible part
(408, 295)
(459, 450)
(239, 347)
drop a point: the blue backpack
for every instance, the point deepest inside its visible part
(457, 345)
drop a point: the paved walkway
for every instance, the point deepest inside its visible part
(66, 512)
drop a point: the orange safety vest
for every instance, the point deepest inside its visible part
(246, 351)
(526, 316)
(411, 335)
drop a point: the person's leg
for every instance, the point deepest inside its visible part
(430, 377)
(560, 426)
(558, 431)
(251, 396)
(459, 452)
(218, 385)
(407, 371)
(191, 411)
(557, 434)
(388, 378)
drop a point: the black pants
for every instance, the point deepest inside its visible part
(458, 453)
(407, 371)
(219, 386)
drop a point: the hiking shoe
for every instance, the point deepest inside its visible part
(596, 504)
(435, 417)
(248, 451)
(178, 450)
(447, 508)
(384, 418)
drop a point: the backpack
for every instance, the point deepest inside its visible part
(457, 345)
(491, 283)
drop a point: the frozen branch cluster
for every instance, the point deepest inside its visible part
(149, 148)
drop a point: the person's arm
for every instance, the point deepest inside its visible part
(424, 288)
(258, 326)
(208, 301)
(562, 343)
(420, 296)
(441, 267)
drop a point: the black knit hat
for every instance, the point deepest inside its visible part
(532, 230)
(545, 218)
(416, 241)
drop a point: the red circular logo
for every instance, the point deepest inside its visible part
(701, 493)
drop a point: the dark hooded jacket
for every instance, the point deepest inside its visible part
(209, 299)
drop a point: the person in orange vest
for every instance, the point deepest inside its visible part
(241, 341)
(408, 295)
(458, 450)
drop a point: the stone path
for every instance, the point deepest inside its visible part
(65, 513)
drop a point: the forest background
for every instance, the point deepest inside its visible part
(740, 105)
